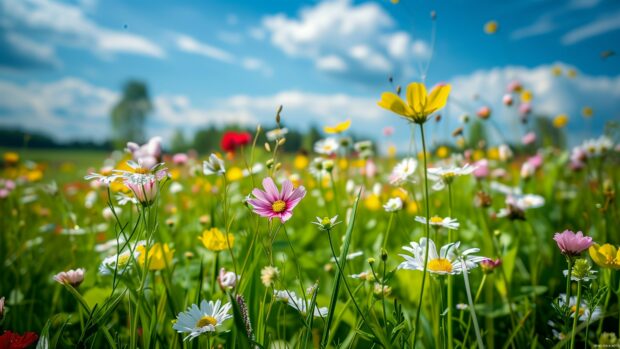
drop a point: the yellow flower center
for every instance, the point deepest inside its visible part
(449, 175)
(278, 206)
(436, 220)
(440, 265)
(123, 259)
(206, 321)
(326, 221)
(141, 170)
(574, 308)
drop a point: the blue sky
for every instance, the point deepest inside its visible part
(62, 63)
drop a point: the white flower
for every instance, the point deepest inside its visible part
(327, 146)
(446, 262)
(254, 170)
(318, 168)
(298, 303)
(597, 147)
(199, 320)
(121, 263)
(449, 223)
(228, 279)
(214, 165)
(71, 277)
(504, 152)
(403, 171)
(269, 275)
(326, 223)
(443, 176)
(584, 311)
(364, 276)
(276, 134)
(393, 204)
(176, 187)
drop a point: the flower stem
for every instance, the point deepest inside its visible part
(569, 260)
(428, 233)
(387, 232)
(471, 305)
(450, 284)
(576, 316)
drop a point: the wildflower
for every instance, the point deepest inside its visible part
(388, 131)
(491, 27)
(364, 276)
(481, 169)
(298, 303)
(381, 290)
(6, 187)
(582, 271)
(11, 158)
(120, 263)
(438, 222)
(528, 138)
(199, 320)
(516, 204)
(585, 312)
(560, 121)
(507, 99)
(273, 204)
(514, 86)
(326, 223)
(488, 265)
(484, 112)
(147, 155)
(606, 256)
(231, 141)
(214, 240)
(443, 176)
(393, 205)
(227, 280)
(419, 104)
(404, 171)
(180, 158)
(276, 134)
(338, 128)
(327, 146)
(71, 277)
(446, 262)
(159, 256)
(12, 340)
(461, 306)
(269, 275)
(214, 165)
(572, 244)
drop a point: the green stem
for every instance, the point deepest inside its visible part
(387, 233)
(576, 316)
(569, 260)
(450, 283)
(428, 233)
(471, 305)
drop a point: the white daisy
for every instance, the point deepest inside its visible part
(443, 176)
(393, 205)
(449, 223)
(298, 303)
(403, 171)
(276, 134)
(446, 262)
(214, 165)
(326, 223)
(584, 311)
(196, 321)
(327, 146)
(120, 262)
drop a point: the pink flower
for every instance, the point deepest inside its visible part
(484, 112)
(535, 161)
(528, 138)
(525, 109)
(180, 159)
(507, 99)
(488, 265)
(71, 277)
(147, 155)
(482, 169)
(572, 244)
(144, 188)
(227, 279)
(388, 131)
(271, 203)
(514, 86)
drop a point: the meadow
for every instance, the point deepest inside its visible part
(460, 246)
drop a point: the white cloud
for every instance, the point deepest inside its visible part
(552, 95)
(189, 44)
(57, 23)
(597, 27)
(543, 25)
(362, 37)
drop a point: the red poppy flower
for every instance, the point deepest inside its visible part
(11, 340)
(231, 140)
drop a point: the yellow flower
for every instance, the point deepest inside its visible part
(556, 71)
(300, 162)
(493, 153)
(11, 157)
(34, 175)
(159, 257)
(571, 73)
(606, 256)
(419, 104)
(491, 27)
(372, 202)
(560, 121)
(391, 151)
(443, 152)
(526, 96)
(234, 174)
(214, 240)
(587, 112)
(339, 128)
(175, 173)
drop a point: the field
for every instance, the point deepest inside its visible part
(253, 247)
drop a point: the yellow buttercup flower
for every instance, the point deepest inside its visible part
(339, 128)
(443, 152)
(234, 174)
(301, 162)
(560, 121)
(372, 202)
(11, 157)
(526, 96)
(214, 240)
(606, 256)
(158, 256)
(419, 104)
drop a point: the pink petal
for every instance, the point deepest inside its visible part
(270, 189)
(287, 190)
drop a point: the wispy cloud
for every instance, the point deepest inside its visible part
(597, 27)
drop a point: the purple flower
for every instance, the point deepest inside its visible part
(572, 244)
(272, 203)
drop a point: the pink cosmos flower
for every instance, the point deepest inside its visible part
(147, 155)
(528, 138)
(71, 277)
(482, 169)
(572, 244)
(274, 204)
(180, 158)
(144, 188)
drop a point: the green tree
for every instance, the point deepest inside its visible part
(130, 113)
(178, 143)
